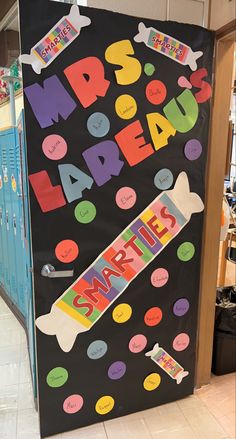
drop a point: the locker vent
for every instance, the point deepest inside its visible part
(4, 156)
(12, 157)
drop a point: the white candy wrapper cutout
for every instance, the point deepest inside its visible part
(167, 363)
(83, 304)
(168, 46)
(57, 39)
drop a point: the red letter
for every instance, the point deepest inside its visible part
(155, 227)
(132, 244)
(148, 238)
(134, 147)
(95, 289)
(196, 80)
(166, 215)
(87, 90)
(83, 305)
(122, 261)
(49, 197)
(107, 273)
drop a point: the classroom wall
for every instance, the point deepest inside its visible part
(222, 12)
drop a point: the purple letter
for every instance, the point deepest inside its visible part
(49, 101)
(103, 161)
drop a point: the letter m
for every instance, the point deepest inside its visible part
(49, 101)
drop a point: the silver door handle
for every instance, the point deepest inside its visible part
(49, 271)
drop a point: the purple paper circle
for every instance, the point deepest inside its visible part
(117, 370)
(193, 149)
(181, 307)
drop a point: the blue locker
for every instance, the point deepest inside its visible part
(1, 224)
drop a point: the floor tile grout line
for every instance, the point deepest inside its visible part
(104, 426)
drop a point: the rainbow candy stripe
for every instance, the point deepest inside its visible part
(89, 297)
(167, 363)
(168, 45)
(55, 41)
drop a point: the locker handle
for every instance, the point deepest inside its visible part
(49, 271)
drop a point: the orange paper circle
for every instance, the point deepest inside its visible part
(67, 251)
(153, 316)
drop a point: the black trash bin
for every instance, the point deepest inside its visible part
(224, 348)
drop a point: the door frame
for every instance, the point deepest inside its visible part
(217, 156)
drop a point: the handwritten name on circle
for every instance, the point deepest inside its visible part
(126, 107)
(126, 198)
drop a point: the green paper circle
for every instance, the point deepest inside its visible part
(85, 212)
(149, 69)
(186, 251)
(57, 377)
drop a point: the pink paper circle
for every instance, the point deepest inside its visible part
(181, 342)
(159, 277)
(184, 83)
(73, 404)
(126, 198)
(137, 343)
(54, 147)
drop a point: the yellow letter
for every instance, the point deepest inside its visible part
(160, 139)
(118, 53)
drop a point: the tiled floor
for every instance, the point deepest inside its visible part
(209, 414)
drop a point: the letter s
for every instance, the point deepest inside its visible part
(119, 53)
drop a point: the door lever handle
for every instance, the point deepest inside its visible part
(49, 271)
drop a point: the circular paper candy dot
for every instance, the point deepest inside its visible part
(163, 179)
(181, 307)
(54, 147)
(193, 149)
(153, 316)
(104, 405)
(85, 212)
(126, 198)
(181, 342)
(149, 69)
(137, 343)
(159, 277)
(98, 125)
(117, 370)
(97, 349)
(126, 107)
(186, 251)
(156, 92)
(152, 381)
(73, 404)
(122, 313)
(57, 377)
(67, 251)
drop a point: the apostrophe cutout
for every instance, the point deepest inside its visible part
(159, 277)
(122, 313)
(163, 179)
(181, 342)
(67, 251)
(153, 316)
(57, 377)
(181, 307)
(117, 370)
(97, 349)
(156, 92)
(126, 198)
(126, 107)
(98, 125)
(193, 149)
(104, 405)
(149, 69)
(168, 46)
(167, 363)
(137, 343)
(85, 212)
(184, 83)
(73, 404)
(186, 251)
(152, 382)
(68, 27)
(54, 147)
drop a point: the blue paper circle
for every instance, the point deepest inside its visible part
(97, 349)
(163, 179)
(98, 125)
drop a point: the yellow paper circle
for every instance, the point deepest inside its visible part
(126, 107)
(104, 405)
(151, 382)
(122, 313)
